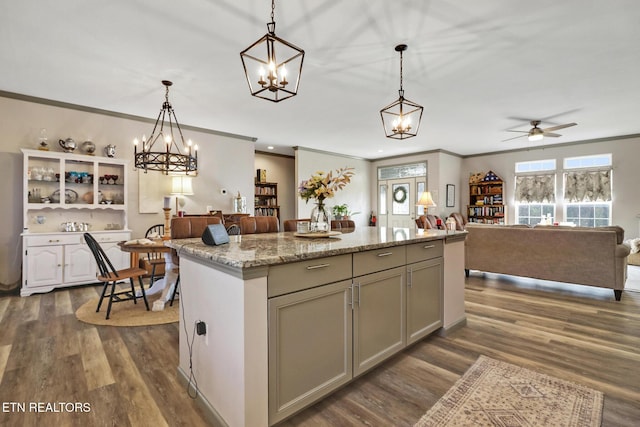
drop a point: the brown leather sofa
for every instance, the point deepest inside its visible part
(430, 222)
(259, 224)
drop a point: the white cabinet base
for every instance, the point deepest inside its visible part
(56, 260)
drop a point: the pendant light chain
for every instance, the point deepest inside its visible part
(401, 71)
(273, 10)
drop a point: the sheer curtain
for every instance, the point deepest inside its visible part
(587, 186)
(535, 188)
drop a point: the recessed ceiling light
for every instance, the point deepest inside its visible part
(270, 147)
(380, 151)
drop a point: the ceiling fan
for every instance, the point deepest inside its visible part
(536, 134)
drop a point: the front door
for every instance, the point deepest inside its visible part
(397, 201)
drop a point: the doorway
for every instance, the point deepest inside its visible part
(397, 201)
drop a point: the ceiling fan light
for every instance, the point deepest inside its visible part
(536, 134)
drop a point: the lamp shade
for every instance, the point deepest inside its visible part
(426, 200)
(181, 185)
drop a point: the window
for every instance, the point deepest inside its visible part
(587, 190)
(402, 171)
(535, 191)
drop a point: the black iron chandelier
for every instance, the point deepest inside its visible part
(401, 119)
(166, 156)
(276, 75)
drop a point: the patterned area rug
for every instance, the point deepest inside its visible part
(495, 393)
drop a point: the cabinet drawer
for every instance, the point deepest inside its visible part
(111, 237)
(378, 260)
(296, 276)
(422, 251)
(54, 239)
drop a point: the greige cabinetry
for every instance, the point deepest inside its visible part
(310, 332)
(379, 306)
(424, 289)
(331, 319)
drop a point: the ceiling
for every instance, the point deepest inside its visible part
(479, 68)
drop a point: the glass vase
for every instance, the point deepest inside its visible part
(320, 218)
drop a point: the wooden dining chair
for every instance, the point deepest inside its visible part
(153, 261)
(109, 276)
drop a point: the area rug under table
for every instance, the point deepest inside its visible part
(495, 393)
(126, 313)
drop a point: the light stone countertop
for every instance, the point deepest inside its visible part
(259, 250)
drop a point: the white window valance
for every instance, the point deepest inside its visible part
(587, 186)
(535, 188)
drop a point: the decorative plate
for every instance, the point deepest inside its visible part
(70, 196)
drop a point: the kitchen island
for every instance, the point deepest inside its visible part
(290, 319)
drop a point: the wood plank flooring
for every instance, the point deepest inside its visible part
(128, 375)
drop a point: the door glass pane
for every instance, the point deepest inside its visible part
(400, 199)
(421, 189)
(383, 199)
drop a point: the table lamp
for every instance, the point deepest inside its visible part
(181, 186)
(426, 200)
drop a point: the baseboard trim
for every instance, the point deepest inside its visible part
(443, 332)
(212, 416)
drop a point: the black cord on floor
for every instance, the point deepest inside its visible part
(193, 382)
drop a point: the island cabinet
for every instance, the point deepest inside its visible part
(332, 319)
(310, 332)
(291, 320)
(425, 289)
(378, 306)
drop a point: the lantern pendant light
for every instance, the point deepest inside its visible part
(272, 65)
(401, 119)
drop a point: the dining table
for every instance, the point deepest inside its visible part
(146, 246)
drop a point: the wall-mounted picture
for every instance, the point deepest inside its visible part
(451, 195)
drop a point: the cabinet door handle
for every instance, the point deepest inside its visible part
(54, 240)
(385, 254)
(410, 278)
(359, 295)
(428, 246)
(313, 267)
(351, 301)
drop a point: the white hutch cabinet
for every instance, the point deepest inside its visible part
(63, 195)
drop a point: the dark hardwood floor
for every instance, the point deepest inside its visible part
(127, 376)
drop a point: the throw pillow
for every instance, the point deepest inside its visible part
(634, 244)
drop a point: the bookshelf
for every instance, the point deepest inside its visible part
(486, 193)
(266, 199)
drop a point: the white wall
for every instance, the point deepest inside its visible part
(355, 195)
(626, 164)
(225, 161)
(281, 170)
